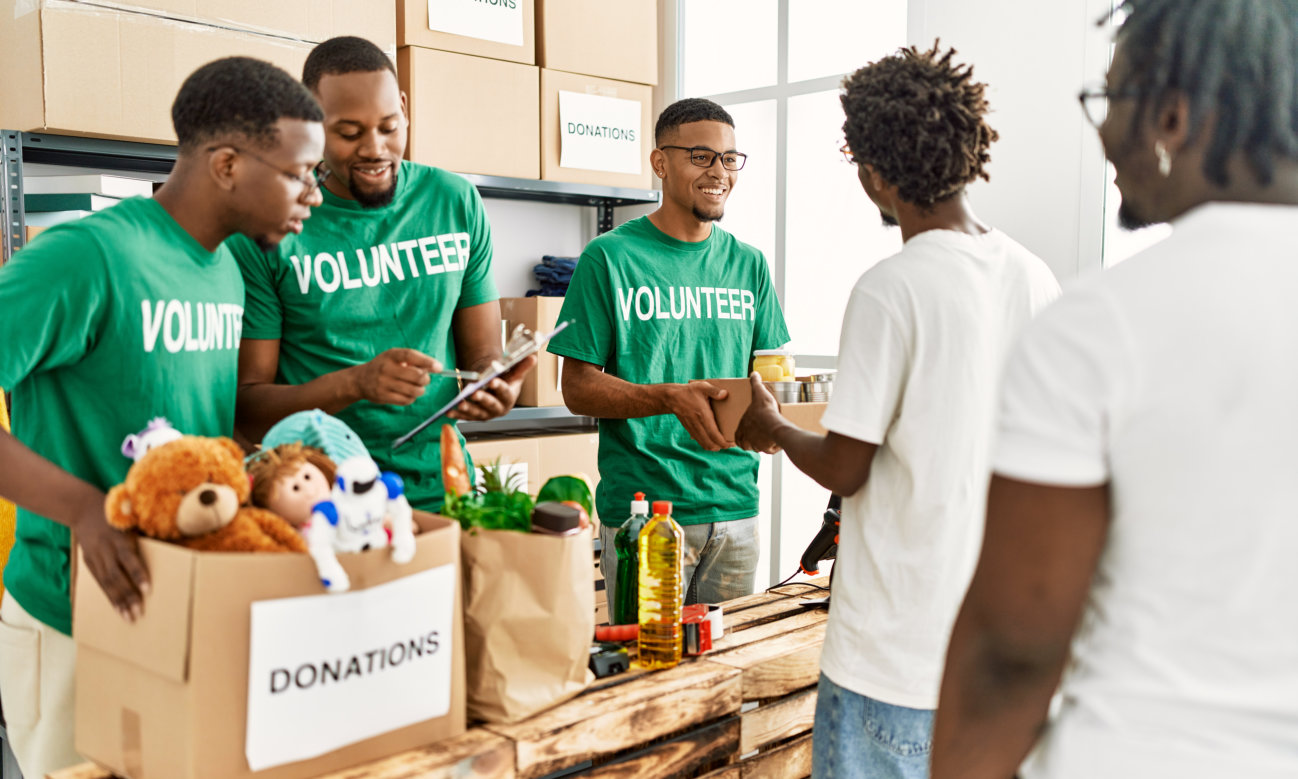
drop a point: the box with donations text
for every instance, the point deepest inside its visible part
(241, 665)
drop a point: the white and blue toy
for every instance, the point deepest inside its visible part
(353, 520)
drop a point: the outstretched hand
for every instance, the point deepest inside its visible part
(757, 426)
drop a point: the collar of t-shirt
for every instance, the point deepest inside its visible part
(180, 236)
(652, 231)
(953, 238)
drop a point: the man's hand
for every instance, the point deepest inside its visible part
(113, 558)
(691, 405)
(757, 427)
(497, 398)
(396, 377)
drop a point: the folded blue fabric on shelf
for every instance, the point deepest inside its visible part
(554, 273)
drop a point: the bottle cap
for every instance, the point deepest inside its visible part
(663, 507)
(639, 505)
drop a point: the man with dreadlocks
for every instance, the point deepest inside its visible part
(1142, 507)
(910, 421)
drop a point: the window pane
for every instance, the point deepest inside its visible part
(750, 210)
(826, 39)
(832, 231)
(727, 45)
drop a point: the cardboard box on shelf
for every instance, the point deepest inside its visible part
(598, 38)
(33, 231)
(740, 395)
(499, 29)
(310, 20)
(595, 130)
(241, 666)
(471, 114)
(542, 385)
(80, 69)
(517, 454)
(569, 455)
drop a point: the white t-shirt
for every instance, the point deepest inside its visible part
(923, 343)
(1174, 378)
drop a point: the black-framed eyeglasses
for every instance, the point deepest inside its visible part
(310, 181)
(703, 157)
(1095, 102)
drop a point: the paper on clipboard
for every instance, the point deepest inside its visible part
(511, 358)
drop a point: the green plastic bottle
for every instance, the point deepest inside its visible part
(626, 590)
(661, 590)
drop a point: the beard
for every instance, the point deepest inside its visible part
(374, 199)
(264, 243)
(703, 216)
(1128, 219)
(888, 220)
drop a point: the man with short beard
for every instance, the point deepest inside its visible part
(657, 303)
(389, 283)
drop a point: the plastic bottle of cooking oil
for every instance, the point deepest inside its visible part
(626, 592)
(661, 589)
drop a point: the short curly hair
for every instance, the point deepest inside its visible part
(919, 121)
(342, 55)
(239, 96)
(690, 109)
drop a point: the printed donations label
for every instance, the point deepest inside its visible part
(326, 671)
(599, 133)
(490, 20)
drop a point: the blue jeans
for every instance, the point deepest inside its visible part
(857, 737)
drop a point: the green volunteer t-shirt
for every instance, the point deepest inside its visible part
(651, 309)
(358, 281)
(110, 321)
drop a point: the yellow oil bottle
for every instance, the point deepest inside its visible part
(662, 590)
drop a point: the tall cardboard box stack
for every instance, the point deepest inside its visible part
(599, 62)
(473, 95)
(542, 386)
(79, 68)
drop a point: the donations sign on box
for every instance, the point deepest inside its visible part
(489, 20)
(330, 670)
(599, 133)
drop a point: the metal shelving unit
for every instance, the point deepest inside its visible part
(129, 157)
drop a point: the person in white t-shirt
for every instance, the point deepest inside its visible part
(1142, 522)
(910, 421)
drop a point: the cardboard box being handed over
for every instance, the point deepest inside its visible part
(730, 410)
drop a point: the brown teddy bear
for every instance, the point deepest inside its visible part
(191, 491)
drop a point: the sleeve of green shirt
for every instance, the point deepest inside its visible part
(479, 284)
(53, 295)
(590, 333)
(263, 312)
(770, 331)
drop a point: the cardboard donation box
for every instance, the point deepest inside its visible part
(242, 666)
(543, 384)
(617, 40)
(471, 114)
(730, 410)
(311, 20)
(595, 130)
(500, 29)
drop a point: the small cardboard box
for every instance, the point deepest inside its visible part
(635, 141)
(413, 28)
(519, 455)
(730, 410)
(471, 114)
(309, 20)
(172, 695)
(598, 38)
(570, 455)
(84, 69)
(543, 384)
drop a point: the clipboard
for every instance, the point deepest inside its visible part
(513, 357)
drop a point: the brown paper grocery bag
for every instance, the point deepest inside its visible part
(529, 618)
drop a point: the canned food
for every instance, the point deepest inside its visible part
(785, 391)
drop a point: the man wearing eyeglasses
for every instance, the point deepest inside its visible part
(910, 420)
(658, 303)
(128, 314)
(389, 283)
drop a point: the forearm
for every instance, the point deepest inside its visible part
(260, 405)
(43, 488)
(814, 455)
(597, 394)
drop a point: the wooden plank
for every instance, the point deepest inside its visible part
(789, 590)
(82, 771)
(777, 721)
(790, 761)
(614, 719)
(770, 631)
(681, 756)
(729, 772)
(763, 613)
(775, 668)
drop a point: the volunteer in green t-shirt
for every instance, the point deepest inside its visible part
(389, 282)
(656, 304)
(131, 313)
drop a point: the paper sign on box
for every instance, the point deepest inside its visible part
(311, 658)
(489, 20)
(599, 133)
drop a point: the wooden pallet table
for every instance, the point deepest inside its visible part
(743, 711)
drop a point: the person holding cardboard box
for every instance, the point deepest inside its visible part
(390, 282)
(112, 320)
(654, 306)
(909, 423)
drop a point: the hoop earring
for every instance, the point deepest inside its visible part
(1164, 159)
